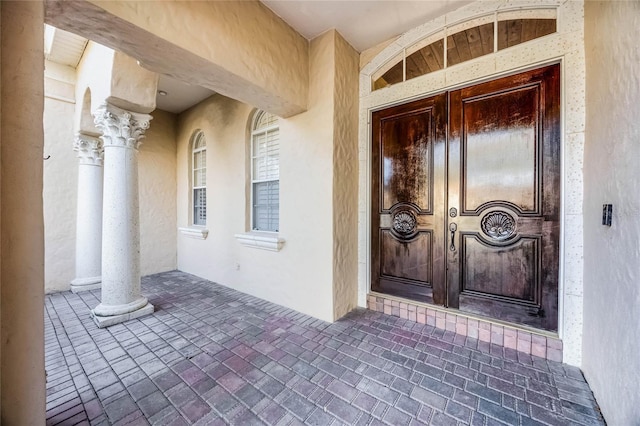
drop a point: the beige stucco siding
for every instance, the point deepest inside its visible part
(59, 193)
(103, 75)
(223, 123)
(157, 180)
(345, 179)
(611, 341)
(93, 73)
(240, 49)
(157, 186)
(315, 271)
(22, 383)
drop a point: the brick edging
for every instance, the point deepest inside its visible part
(522, 340)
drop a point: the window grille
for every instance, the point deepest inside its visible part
(265, 173)
(199, 180)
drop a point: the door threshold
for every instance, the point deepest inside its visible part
(531, 341)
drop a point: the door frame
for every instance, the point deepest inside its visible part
(566, 46)
(367, 188)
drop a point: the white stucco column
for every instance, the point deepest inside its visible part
(121, 298)
(89, 214)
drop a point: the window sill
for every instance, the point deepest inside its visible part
(261, 240)
(195, 232)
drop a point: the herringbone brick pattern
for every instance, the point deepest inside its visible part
(210, 355)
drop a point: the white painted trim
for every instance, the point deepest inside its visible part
(194, 232)
(257, 115)
(563, 220)
(261, 240)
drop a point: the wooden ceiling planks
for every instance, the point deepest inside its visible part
(516, 31)
(392, 76)
(428, 59)
(470, 44)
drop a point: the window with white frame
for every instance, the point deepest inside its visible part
(265, 173)
(199, 179)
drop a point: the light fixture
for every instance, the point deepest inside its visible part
(162, 93)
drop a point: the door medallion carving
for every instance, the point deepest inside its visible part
(404, 224)
(498, 225)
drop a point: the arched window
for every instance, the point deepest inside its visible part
(265, 172)
(465, 41)
(199, 179)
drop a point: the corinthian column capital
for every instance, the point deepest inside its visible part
(121, 127)
(89, 149)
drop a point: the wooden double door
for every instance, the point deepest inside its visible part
(466, 199)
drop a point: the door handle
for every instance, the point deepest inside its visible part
(453, 228)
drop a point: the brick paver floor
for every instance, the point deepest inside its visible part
(211, 355)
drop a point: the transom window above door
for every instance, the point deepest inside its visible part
(465, 41)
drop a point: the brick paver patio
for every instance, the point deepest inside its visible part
(211, 355)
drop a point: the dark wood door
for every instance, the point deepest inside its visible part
(468, 217)
(408, 200)
(504, 182)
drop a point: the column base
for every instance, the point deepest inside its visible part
(84, 284)
(106, 321)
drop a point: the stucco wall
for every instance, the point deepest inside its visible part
(301, 275)
(612, 256)
(345, 178)
(112, 77)
(565, 46)
(22, 229)
(93, 73)
(101, 71)
(237, 48)
(60, 182)
(157, 180)
(307, 186)
(298, 276)
(132, 86)
(157, 186)
(223, 122)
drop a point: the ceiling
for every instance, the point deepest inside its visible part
(363, 23)
(63, 47)
(179, 96)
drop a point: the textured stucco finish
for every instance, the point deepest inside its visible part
(132, 87)
(612, 258)
(299, 275)
(345, 178)
(59, 193)
(59, 81)
(104, 75)
(157, 178)
(565, 46)
(22, 230)
(305, 274)
(93, 84)
(240, 49)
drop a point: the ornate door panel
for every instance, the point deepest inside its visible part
(408, 190)
(469, 217)
(504, 168)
